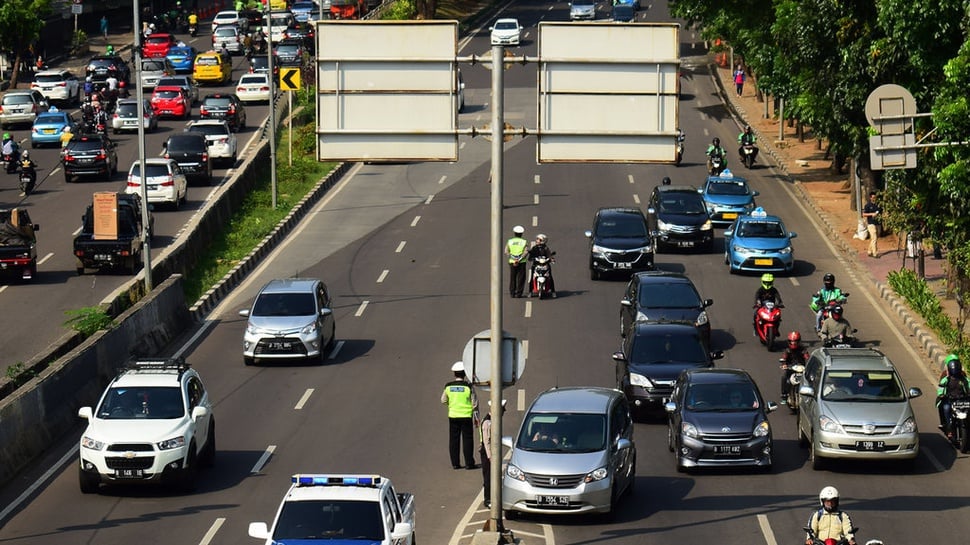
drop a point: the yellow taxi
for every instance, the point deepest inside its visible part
(212, 67)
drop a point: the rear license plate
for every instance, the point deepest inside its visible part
(86, 160)
(731, 450)
(962, 404)
(168, 111)
(552, 500)
(280, 345)
(870, 445)
(622, 265)
(130, 123)
(730, 215)
(102, 257)
(765, 262)
(129, 473)
(152, 187)
(48, 131)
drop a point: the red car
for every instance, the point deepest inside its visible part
(171, 101)
(158, 44)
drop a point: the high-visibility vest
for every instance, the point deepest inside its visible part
(516, 248)
(459, 395)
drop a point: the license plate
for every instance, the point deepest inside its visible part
(48, 131)
(870, 445)
(102, 257)
(152, 187)
(727, 449)
(129, 473)
(168, 111)
(280, 345)
(622, 265)
(130, 123)
(766, 262)
(686, 243)
(86, 160)
(963, 404)
(552, 500)
(730, 215)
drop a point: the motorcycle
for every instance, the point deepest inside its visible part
(960, 423)
(827, 307)
(842, 541)
(748, 154)
(193, 30)
(680, 148)
(767, 323)
(795, 372)
(840, 341)
(28, 179)
(11, 161)
(716, 163)
(541, 274)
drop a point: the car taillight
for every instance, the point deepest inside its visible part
(133, 182)
(115, 115)
(240, 89)
(101, 155)
(232, 109)
(167, 156)
(69, 158)
(203, 110)
(62, 84)
(264, 88)
(169, 182)
(205, 156)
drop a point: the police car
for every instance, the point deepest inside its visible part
(340, 508)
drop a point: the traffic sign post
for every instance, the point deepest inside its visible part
(890, 110)
(289, 79)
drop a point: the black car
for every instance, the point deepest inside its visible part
(191, 151)
(678, 218)
(619, 241)
(302, 32)
(290, 52)
(661, 296)
(90, 155)
(259, 64)
(224, 106)
(101, 66)
(653, 356)
(253, 17)
(717, 418)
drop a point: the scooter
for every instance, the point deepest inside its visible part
(540, 284)
(748, 154)
(960, 423)
(193, 30)
(794, 372)
(767, 323)
(717, 164)
(28, 179)
(11, 161)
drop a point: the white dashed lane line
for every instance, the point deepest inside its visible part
(303, 399)
(263, 459)
(415, 220)
(211, 533)
(383, 275)
(400, 246)
(360, 309)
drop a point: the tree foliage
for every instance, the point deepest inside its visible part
(20, 24)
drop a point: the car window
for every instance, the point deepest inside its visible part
(721, 397)
(653, 349)
(152, 66)
(762, 229)
(207, 61)
(167, 94)
(506, 25)
(17, 99)
(669, 295)
(49, 118)
(225, 31)
(153, 170)
(196, 392)
(682, 203)
(217, 102)
(49, 78)
(727, 188)
(862, 386)
(253, 80)
(149, 403)
(209, 130)
(186, 144)
(158, 40)
(563, 432)
(622, 226)
(85, 146)
(812, 371)
(342, 520)
(284, 304)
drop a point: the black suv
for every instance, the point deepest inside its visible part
(651, 358)
(191, 151)
(661, 296)
(619, 241)
(90, 155)
(101, 66)
(678, 218)
(290, 51)
(224, 106)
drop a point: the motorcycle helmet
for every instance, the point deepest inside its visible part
(793, 339)
(6, 136)
(716, 141)
(829, 493)
(829, 281)
(518, 230)
(954, 367)
(747, 128)
(25, 155)
(836, 312)
(540, 238)
(666, 180)
(767, 280)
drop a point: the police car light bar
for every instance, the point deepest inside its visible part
(335, 480)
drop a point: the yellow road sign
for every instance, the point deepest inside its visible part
(289, 79)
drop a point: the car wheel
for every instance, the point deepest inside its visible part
(817, 462)
(670, 438)
(802, 440)
(248, 361)
(511, 515)
(594, 274)
(33, 144)
(67, 178)
(333, 337)
(188, 477)
(80, 271)
(88, 481)
(207, 458)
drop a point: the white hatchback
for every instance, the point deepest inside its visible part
(166, 181)
(222, 141)
(253, 88)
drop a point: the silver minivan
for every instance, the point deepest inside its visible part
(854, 405)
(574, 454)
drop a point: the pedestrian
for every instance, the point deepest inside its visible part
(871, 212)
(104, 26)
(739, 79)
(517, 251)
(486, 452)
(460, 398)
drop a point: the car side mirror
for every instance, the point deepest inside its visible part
(670, 407)
(507, 441)
(771, 406)
(36, 226)
(86, 413)
(651, 210)
(326, 312)
(623, 444)
(165, 144)
(589, 234)
(755, 193)
(625, 303)
(619, 356)
(792, 234)
(728, 234)
(244, 313)
(717, 354)
(806, 390)
(915, 392)
(708, 302)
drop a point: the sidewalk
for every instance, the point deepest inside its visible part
(830, 195)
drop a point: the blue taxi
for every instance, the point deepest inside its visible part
(727, 197)
(182, 58)
(759, 242)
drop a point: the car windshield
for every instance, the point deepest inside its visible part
(284, 304)
(584, 3)
(505, 25)
(179, 52)
(53, 119)
(167, 94)
(651, 348)
(207, 61)
(86, 146)
(142, 402)
(185, 144)
(330, 520)
(210, 130)
(101, 63)
(226, 31)
(727, 188)
(864, 386)
(172, 82)
(763, 229)
(721, 397)
(253, 80)
(50, 78)
(158, 40)
(622, 226)
(288, 48)
(684, 203)
(668, 295)
(217, 102)
(563, 432)
(152, 66)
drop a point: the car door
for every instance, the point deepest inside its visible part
(628, 313)
(199, 398)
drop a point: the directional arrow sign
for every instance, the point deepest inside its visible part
(289, 79)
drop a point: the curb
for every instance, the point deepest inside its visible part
(925, 337)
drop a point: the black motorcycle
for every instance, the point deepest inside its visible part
(749, 152)
(11, 161)
(716, 162)
(28, 178)
(960, 423)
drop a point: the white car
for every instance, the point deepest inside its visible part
(253, 88)
(167, 183)
(279, 21)
(506, 32)
(154, 423)
(228, 17)
(60, 85)
(222, 141)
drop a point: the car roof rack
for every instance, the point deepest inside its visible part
(159, 364)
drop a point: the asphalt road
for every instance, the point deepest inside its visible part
(404, 249)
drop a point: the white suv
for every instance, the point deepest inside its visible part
(222, 141)
(154, 423)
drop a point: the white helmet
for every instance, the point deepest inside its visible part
(25, 154)
(458, 367)
(541, 238)
(829, 493)
(518, 229)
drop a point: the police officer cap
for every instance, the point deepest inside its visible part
(518, 229)
(458, 367)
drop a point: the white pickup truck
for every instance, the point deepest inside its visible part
(340, 507)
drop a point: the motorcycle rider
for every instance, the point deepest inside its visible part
(823, 296)
(517, 253)
(954, 384)
(794, 354)
(11, 152)
(88, 86)
(835, 325)
(29, 167)
(766, 292)
(830, 522)
(747, 138)
(715, 150)
(193, 23)
(540, 249)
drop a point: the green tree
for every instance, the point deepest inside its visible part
(20, 24)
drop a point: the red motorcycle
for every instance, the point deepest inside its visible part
(767, 322)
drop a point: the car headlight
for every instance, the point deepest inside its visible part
(738, 249)
(829, 425)
(662, 225)
(637, 379)
(515, 473)
(702, 318)
(786, 250)
(689, 429)
(908, 426)
(597, 474)
(253, 330)
(707, 226)
(310, 328)
(599, 250)
(646, 250)
(91, 443)
(762, 430)
(169, 444)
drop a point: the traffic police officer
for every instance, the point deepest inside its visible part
(460, 398)
(485, 450)
(516, 250)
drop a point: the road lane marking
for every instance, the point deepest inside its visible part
(263, 459)
(535, 221)
(537, 179)
(41, 481)
(630, 177)
(636, 198)
(336, 350)
(360, 309)
(303, 399)
(207, 538)
(428, 200)
(415, 220)
(766, 530)
(794, 281)
(535, 199)
(383, 275)
(525, 348)
(520, 400)
(442, 179)
(400, 247)
(528, 309)
(45, 258)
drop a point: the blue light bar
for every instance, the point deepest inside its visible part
(335, 480)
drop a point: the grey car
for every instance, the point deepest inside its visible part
(290, 318)
(21, 106)
(853, 405)
(574, 454)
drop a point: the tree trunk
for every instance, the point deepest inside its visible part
(838, 163)
(15, 71)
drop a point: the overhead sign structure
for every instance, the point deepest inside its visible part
(289, 79)
(387, 90)
(890, 110)
(608, 93)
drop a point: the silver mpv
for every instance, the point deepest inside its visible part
(854, 405)
(574, 454)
